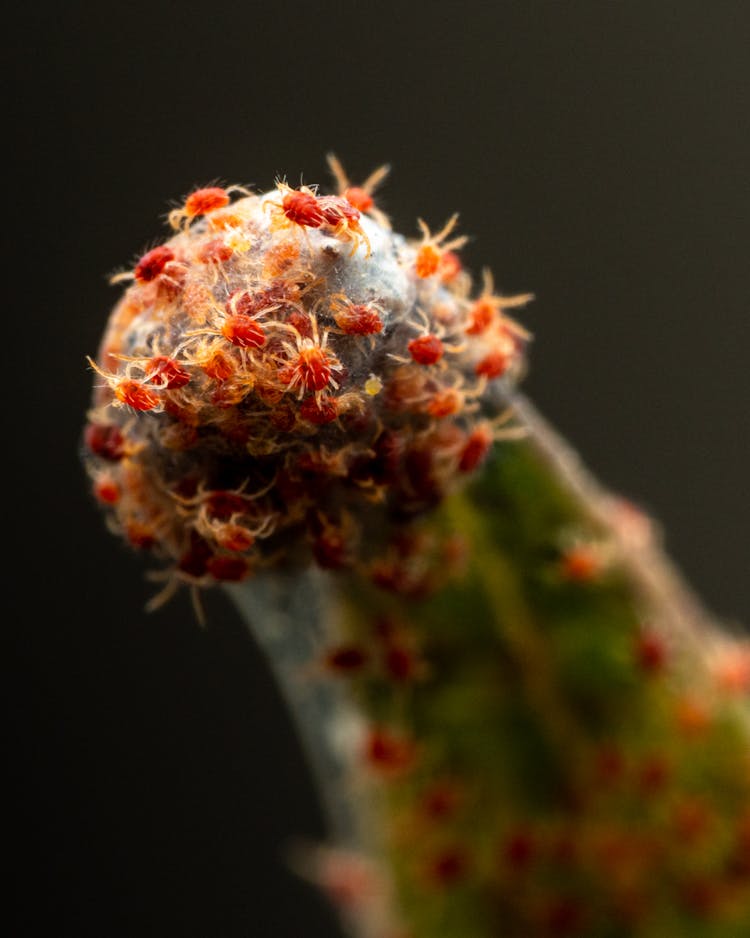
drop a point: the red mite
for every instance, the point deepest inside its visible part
(218, 366)
(481, 315)
(388, 752)
(581, 564)
(337, 210)
(215, 252)
(445, 403)
(167, 373)
(651, 652)
(107, 491)
(105, 441)
(450, 266)
(301, 207)
(493, 365)
(310, 367)
(426, 349)
(153, 263)
(475, 449)
(322, 411)
(357, 319)
(449, 866)
(243, 331)
(227, 568)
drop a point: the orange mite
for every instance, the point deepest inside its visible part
(581, 564)
(106, 490)
(127, 390)
(488, 307)
(501, 355)
(445, 403)
(201, 202)
(450, 266)
(218, 366)
(235, 537)
(481, 316)
(430, 253)
(134, 394)
(215, 252)
(358, 196)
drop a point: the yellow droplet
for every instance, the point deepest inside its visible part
(373, 385)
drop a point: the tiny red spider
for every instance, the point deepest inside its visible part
(243, 331)
(356, 318)
(308, 364)
(319, 410)
(488, 308)
(297, 207)
(128, 392)
(153, 263)
(427, 348)
(306, 209)
(166, 373)
(476, 448)
(501, 352)
(237, 324)
(343, 218)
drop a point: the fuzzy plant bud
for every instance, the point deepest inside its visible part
(519, 718)
(285, 376)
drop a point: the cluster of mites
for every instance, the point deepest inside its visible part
(285, 370)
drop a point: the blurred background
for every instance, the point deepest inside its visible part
(597, 153)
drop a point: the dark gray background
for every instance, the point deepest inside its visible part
(597, 152)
